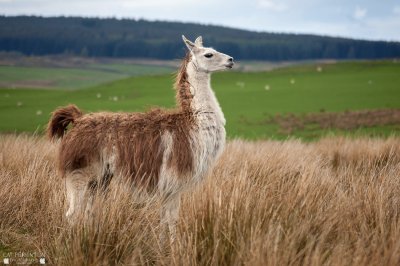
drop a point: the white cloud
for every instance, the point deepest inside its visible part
(383, 28)
(271, 5)
(368, 19)
(396, 10)
(359, 12)
(154, 3)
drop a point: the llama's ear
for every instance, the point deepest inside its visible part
(199, 41)
(188, 43)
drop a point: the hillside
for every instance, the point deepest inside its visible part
(157, 39)
(257, 105)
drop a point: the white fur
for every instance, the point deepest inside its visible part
(168, 184)
(76, 186)
(207, 140)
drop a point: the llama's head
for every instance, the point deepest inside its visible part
(207, 59)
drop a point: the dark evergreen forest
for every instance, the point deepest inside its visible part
(111, 37)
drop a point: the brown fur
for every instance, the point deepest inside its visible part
(182, 86)
(60, 120)
(134, 138)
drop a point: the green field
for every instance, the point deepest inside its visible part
(72, 78)
(248, 99)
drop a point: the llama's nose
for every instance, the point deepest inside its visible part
(230, 59)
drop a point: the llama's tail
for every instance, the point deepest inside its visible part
(60, 120)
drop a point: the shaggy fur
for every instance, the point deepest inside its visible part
(160, 150)
(60, 120)
(134, 137)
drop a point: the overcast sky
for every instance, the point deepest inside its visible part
(366, 19)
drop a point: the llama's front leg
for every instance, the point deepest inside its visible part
(75, 184)
(169, 218)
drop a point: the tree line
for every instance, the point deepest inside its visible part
(110, 37)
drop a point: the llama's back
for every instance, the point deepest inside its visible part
(128, 144)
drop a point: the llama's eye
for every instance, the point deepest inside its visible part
(209, 55)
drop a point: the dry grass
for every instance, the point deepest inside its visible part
(332, 202)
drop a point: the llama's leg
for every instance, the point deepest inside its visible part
(169, 218)
(76, 186)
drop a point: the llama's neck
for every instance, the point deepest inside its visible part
(204, 100)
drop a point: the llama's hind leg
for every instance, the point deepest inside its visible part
(169, 218)
(76, 186)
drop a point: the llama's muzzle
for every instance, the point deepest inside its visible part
(230, 63)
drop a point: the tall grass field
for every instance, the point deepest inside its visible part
(330, 202)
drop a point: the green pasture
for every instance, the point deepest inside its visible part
(248, 99)
(69, 78)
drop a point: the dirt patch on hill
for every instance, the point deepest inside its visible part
(347, 120)
(68, 61)
(29, 84)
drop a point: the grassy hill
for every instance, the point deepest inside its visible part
(251, 101)
(46, 74)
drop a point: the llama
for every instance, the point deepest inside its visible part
(167, 151)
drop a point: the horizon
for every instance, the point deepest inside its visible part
(356, 19)
(202, 24)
